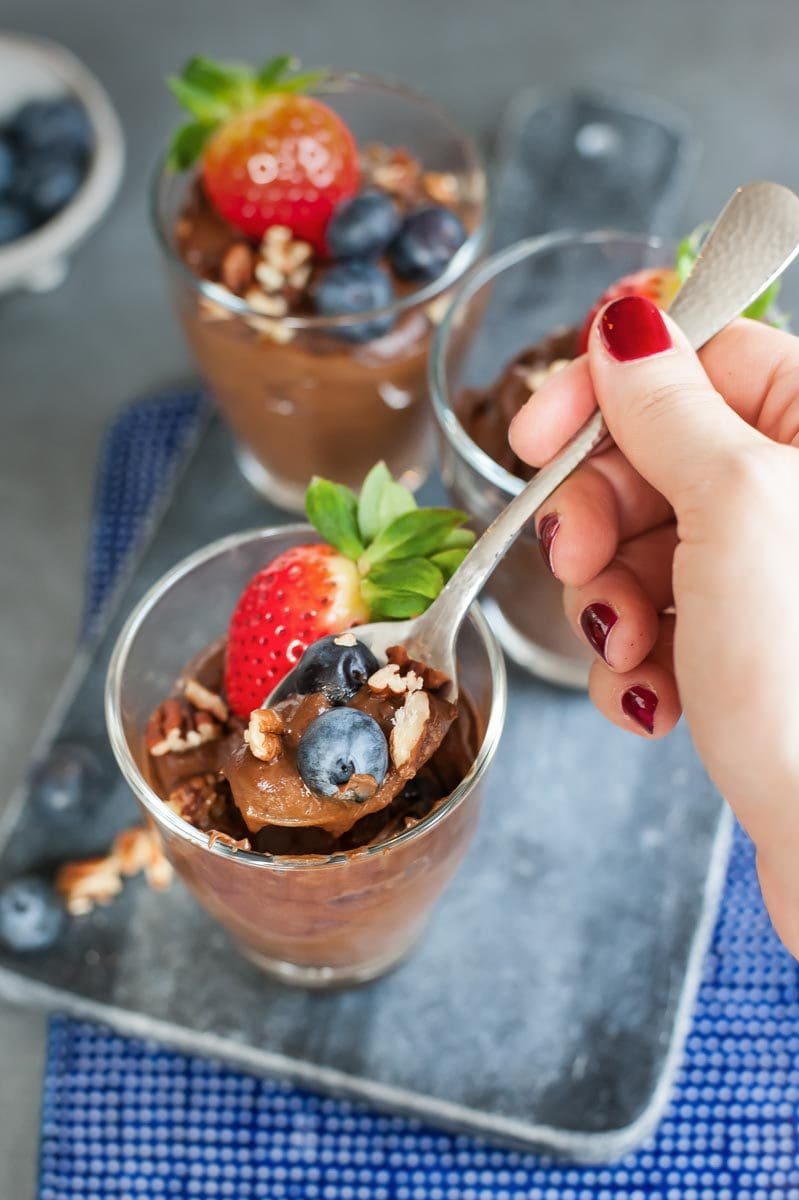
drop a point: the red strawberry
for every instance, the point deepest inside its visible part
(302, 595)
(383, 558)
(658, 284)
(269, 155)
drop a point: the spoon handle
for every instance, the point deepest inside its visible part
(754, 239)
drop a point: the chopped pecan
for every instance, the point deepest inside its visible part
(237, 267)
(83, 885)
(262, 734)
(269, 305)
(282, 251)
(211, 310)
(176, 726)
(202, 800)
(432, 679)
(409, 727)
(205, 700)
(388, 679)
(346, 639)
(442, 186)
(393, 169)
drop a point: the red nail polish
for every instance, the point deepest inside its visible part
(547, 529)
(640, 703)
(632, 327)
(596, 622)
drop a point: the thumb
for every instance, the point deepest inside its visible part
(660, 407)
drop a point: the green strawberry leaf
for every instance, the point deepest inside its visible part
(395, 606)
(415, 575)
(273, 71)
(764, 308)
(332, 510)
(219, 80)
(414, 534)
(458, 539)
(448, 561)
(201, 104)
(187, 144)
(394, 502)
(369, 500)
(760, 309)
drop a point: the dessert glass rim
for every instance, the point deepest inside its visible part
(460, 263)
(447, 419)
(162, 813)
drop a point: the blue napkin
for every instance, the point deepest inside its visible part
(124, 1118)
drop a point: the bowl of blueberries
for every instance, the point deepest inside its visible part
(61, 159)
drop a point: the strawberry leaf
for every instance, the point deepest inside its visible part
(394, 501)
(369, 500)
(201, 104)
(415, 575)
(458, 539)
(187, 144)
(215, 79)
(331, 508)
(412, 535)
(393, 606)
(274, 70)
(448, 561)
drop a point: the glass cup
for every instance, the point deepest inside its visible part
(318, 920)
(514, 300)
(300, 398)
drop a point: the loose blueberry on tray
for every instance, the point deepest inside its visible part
(31, 916)
(64, 786)
(340, 744)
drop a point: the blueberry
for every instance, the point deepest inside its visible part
(15, 221)
(363, 226)
(336, 670)
(31, 917)
(61, 125)
(47, 182)
(354, 287)
(64, 786)
(426, 242)
(8, 164)
(340, 743)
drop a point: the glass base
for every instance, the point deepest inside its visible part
(560, 669)
(282, 492)
(329, 978)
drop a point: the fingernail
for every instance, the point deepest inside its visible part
(596, 622)
(547, 529)
(640, 703)
(632, 327)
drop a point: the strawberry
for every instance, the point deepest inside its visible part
(658, 284)
(383, 557)
(269, 154)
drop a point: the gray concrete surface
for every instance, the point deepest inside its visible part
(70, 359)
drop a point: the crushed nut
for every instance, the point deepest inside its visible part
(176, 726)
(359, 788)
(436, 308)
(204, 699)
(262, 734)
(387, 679)
(533, 377)
(271, 330)
(237, 267)
(201, 800)
(409, 727)
(83, 885)
(270, 306)
(345, 639)
(432, 679)
(281, 250)
(442, 186)
(392, 169)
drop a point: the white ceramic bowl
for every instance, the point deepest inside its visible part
(31, 68)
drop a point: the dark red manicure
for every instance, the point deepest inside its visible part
(596, 622)
(547, 529)
(632, 327)
(640, 703)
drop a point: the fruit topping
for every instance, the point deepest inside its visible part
(269, 154)
(31, 917)
(383, 557)
(363, 226)
(58, 125)
(426, 242)
(66, 786)
(343, 753)
(336, 666)
(349, 288)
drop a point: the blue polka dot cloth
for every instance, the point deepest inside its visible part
(127, 1119)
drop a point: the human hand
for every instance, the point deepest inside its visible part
(695, 511)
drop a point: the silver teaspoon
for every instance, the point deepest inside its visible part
(754, 239)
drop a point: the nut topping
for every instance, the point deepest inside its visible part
(237, 267)
(392, 169)
(388, 679)
(345, 639)
(262, 734)
(204, 699)
(176, 726)
(409, 726)
(201, 800)
(441, 186)
(83, 885)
